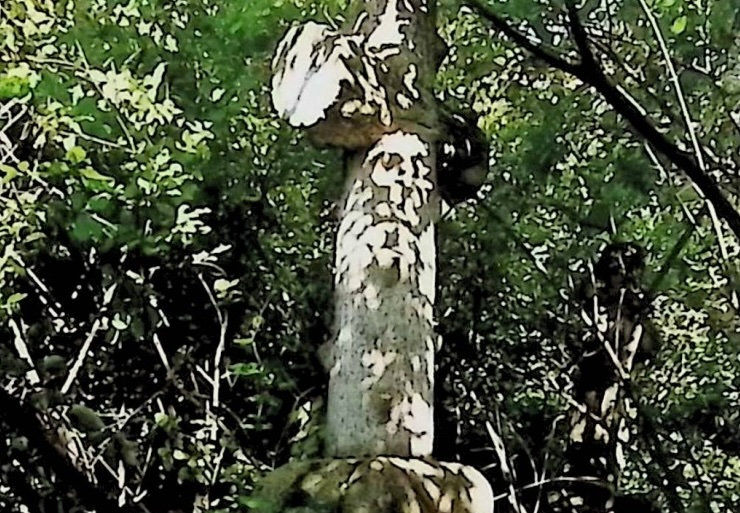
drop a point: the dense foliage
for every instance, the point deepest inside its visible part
(165, 271)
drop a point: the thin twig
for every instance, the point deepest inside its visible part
(223, 321)
(107, 298)
(500, 448)
(687, 121)
(20, 345)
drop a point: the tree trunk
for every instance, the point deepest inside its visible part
(367, 89)
(381, 379)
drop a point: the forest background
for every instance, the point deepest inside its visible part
(166, 247)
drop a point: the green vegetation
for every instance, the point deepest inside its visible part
(166, 246)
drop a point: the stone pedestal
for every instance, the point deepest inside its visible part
(378, 485)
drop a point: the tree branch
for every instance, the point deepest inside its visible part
(588, 59)
(22, 418)
(520, 39)
(590, 72)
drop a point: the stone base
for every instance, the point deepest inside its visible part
(378, 485)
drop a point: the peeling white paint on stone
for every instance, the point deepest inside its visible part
(404, 101)
(409, 81)
(359, 21)
(386, 257)
(406, 246)
(336, 368)
(387, 36)
(390, 180)
(355, 220)
(416, 363)
(428, 270)
(424, 310)
(416, 466)
(355, 476)
(358, 197)
(446, 485)
(445, 503)
(308, 73)
(411, 173)
(315, 71)
(408, 6)
(376, 362)
(381, 265)
(411, 505)
(480, 495)
(413, 414)
(372, 296)
(434, 491)
(311, 65)
(365, 240)
(383, 210)
(343, 340)
(415, 420)
(348, 108)
(410, 211)
(431, 350)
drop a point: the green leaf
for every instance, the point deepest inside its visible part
(14, 298)
(54, 363)
(221, 285)
(246, 369)
(243, 342)
(76, 155)
(101, 205)
(91, 174)
(180, 455)
(85, 228)
(13, 87)
(119, 323)
(10, 173)
(85, 418)
(679, 25)
(254, 503)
